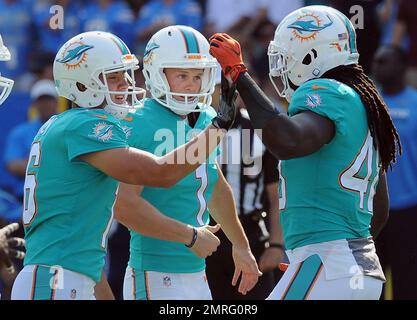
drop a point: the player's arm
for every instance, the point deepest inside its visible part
(102, 290)
(134, 166)
(222, 208)
(381, 206)
(139, 215)
(285, 137)
(17, 167)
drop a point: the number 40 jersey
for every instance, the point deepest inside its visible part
(328, 195)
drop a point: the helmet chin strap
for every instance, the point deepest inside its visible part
(179, 107)
(290, 91)
(119, 111)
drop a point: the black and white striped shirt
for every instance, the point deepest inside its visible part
(247, 166)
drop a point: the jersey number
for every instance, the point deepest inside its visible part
(201, 174)
(350, 180)
(30, 207)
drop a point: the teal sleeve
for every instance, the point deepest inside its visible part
(92, 134)
(328, 98)
(140, 132)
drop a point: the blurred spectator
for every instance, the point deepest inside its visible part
(397, 243)
(367, 26)
(136, 5)
(388, 13)
(158, 14)
(10, 208)
(41, 65)
(252, 173)
(262, 36)
(253, 23)
(15, 28)
(51, 38)
(117, 257)
(276, 10)
(222, 16)
(407, 24)
(19, 140)
(108, 15)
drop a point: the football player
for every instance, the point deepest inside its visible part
(8, 245)
(335, 146)
(76, 161)
(180, 74)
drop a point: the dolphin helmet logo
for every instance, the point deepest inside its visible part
(74, 55)
(308, 26)
(147, 57)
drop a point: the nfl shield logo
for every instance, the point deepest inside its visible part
(167, 281)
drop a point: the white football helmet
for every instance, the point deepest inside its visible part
(6, 84)
(307, 43)
(179, 47)
(86, 57)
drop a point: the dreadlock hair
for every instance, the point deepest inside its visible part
(383, 131)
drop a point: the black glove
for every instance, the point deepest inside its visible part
(227, 109)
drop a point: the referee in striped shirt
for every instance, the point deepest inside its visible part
(252, 173)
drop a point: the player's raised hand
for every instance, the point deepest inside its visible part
(246, 268)
(8, 246)
(227, 109)
(206, 242)
(228, 53)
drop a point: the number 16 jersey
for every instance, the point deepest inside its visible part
(67, 202)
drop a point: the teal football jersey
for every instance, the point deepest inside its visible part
(68, 203)
(158, 130)
(328, 195)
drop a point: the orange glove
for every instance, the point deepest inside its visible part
(283, 266)
(228, 53)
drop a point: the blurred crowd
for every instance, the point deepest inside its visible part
(33, 30)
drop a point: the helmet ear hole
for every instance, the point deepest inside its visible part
(81, 87)
(309, 57)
